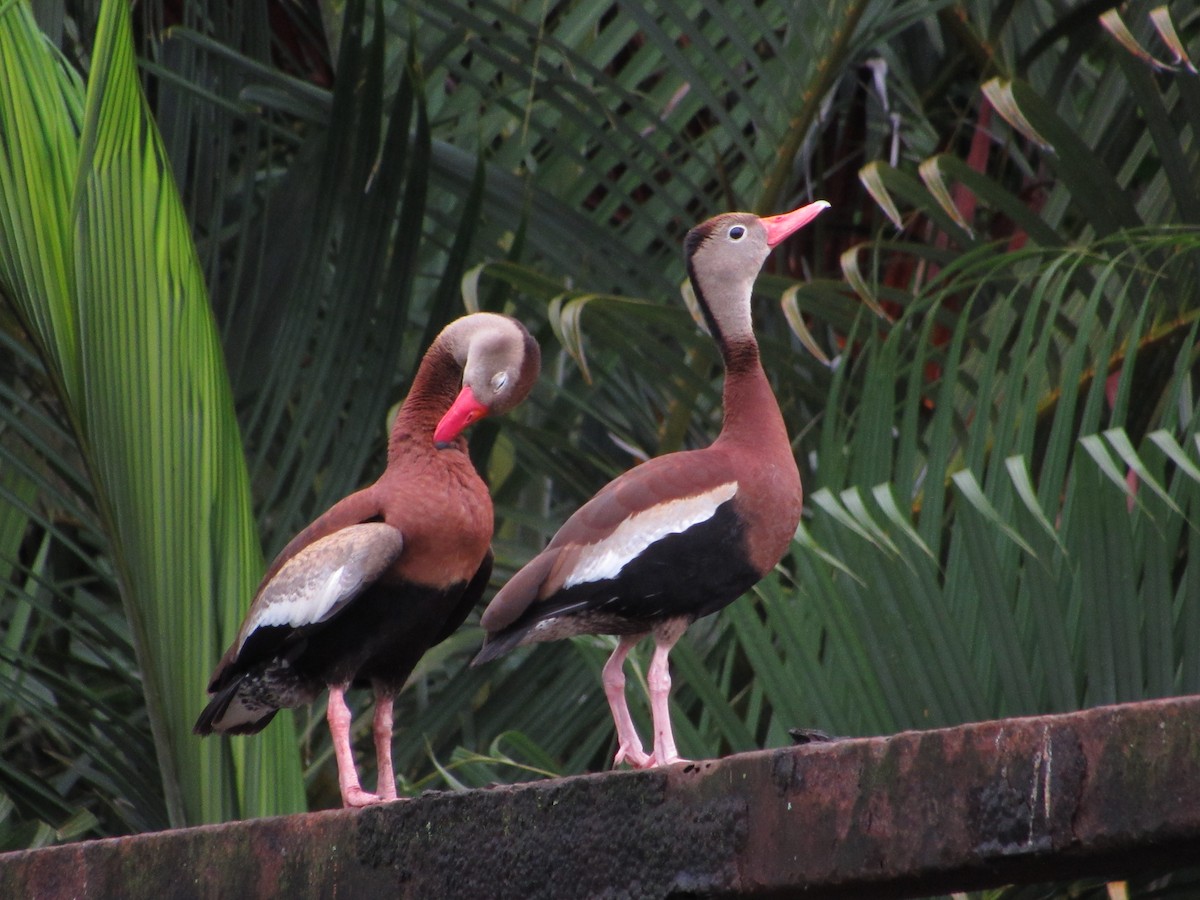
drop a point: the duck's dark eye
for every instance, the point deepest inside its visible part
(737, 232)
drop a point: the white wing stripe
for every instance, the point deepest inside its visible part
(606, 558)
(305, 608)
(311, 585)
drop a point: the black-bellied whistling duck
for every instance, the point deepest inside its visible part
(682, 535)
(360, 594)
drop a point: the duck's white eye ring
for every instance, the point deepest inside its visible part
(737, 232)
(499, 380)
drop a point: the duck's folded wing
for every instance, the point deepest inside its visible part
(313, 586)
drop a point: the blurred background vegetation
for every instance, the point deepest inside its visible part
(213, 296)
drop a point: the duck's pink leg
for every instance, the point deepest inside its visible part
(386, 783)
(338, 715)
(658, 681)
(629, 745)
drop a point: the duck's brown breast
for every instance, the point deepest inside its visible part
(443, 509)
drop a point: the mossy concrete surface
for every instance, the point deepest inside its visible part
(1104, 792)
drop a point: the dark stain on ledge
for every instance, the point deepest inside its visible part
(1028, 803)
(594, 832)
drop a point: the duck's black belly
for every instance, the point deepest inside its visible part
(379, 637)
(686, 575)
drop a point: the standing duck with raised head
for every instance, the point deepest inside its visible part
(360, 594)
(682, 535)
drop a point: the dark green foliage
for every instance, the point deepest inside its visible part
(974, 349)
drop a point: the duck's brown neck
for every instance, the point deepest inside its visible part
(434, 388)
(751, 411)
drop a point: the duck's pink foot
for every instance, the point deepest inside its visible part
(356, 797)
(634, 755)
(671, 759)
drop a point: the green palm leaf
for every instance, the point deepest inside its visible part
(115, 304)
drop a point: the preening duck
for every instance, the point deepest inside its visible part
(359, 595)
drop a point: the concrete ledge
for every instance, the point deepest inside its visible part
(1102, 792)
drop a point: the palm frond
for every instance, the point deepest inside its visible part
(101, 272)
